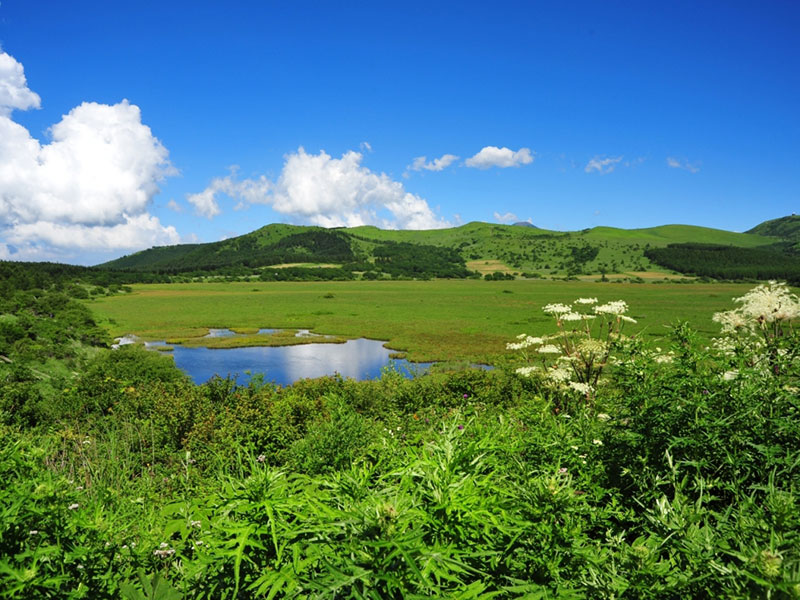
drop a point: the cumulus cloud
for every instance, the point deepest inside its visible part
(492, 156)
(14, 92)
(684, 164)
(509, 217)
(247, 191)
(318, 189)
(89, 187)
(134, 232)
(437, 164)
(602, 165)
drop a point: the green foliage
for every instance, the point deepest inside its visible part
(727, 262)
(787, 228)
(499, 276)
(423, 261)
(681, 481)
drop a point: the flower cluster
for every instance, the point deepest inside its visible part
(164, 551)
(766, 305)
(760, 330)
(573, 359)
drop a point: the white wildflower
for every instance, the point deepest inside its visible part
(572, 316)
(586, 301)
(616, 307)
(549, 349)
(592, 346)
(731, 321)
(557, 309)
(194, 524)
(526, 371)
(663, 358)
(597, 442)
(603, 416)
(559, 375)
(73, 506)
(525, 343)
(730, 375)
(33, 532)
(771, 302)
(583, 388)
(163, 550)
(627, 319)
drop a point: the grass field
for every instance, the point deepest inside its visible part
(429, 320)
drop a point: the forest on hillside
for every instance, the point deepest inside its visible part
(727, 262)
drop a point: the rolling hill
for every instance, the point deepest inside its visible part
(474, 247)
(785, 228)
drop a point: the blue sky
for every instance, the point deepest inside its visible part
(128, 125)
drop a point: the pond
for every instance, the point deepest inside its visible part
(359, 359)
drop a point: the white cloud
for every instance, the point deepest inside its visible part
(602, 165)
(89, 187)
(331, 192)
(205, 203)
(492, 156)
(437, 164)
(174, 206)
(509, 217)
(247, 191)
(675, 163)
(14, 92)
(134, 232)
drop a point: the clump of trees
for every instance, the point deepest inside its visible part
(400, 259)
(727, 262)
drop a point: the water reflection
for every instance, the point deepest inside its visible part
(217, 333)
(358, 359)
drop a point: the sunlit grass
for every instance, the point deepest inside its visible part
(430, 320)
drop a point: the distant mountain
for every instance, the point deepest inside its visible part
(289, 251)
(525, 224)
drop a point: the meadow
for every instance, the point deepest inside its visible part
(663, 466)
(442, 320)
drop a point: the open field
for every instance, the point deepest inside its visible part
(430, 320)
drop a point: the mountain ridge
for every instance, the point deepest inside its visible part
(476, 246)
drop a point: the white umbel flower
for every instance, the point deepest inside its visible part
(616, 307)
(557, 309)
(549, 349)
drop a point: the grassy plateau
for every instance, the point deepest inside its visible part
(429, 320)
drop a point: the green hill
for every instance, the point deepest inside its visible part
(786, 228)
(273, 244)
(453, 252)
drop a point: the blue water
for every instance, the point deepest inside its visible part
(359, 359)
